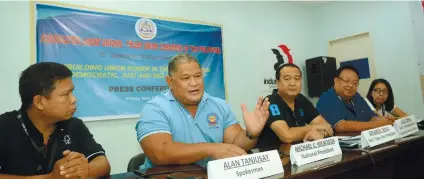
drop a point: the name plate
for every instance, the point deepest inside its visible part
(406, 126)
(377, 136)
(308, 152)
(315, 165)
(258, 165)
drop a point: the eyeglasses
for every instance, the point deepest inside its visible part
(353, 83)
(379, 91)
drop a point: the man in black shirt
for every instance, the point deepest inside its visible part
(42, 140)
(292, 117)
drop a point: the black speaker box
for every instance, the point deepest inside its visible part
(320, 72)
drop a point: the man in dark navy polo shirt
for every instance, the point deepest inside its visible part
(344, 108)
(292, 117)
(42, 140)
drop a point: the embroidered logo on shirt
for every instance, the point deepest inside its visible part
(212, 119)
(302, 113)
(67, 139)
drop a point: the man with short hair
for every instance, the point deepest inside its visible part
(42, 140)
(344, 108)
(186, 125)
(292, 118)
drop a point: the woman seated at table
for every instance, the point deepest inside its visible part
(381, 100)
(292, 117)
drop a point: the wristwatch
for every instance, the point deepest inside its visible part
(250, 136)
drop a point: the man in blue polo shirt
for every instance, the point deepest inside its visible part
(185, 125)
(344, 108)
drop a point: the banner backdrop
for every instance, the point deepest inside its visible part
(119, 62)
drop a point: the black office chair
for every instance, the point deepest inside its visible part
(136, 162)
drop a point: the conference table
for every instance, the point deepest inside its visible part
(402, 158)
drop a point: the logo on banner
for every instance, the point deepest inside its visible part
(285, 50)
(271, 82)
(146, 29)
(212, 119)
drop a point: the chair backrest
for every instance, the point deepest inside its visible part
(136, 162)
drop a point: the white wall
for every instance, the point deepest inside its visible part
(390, 27)
(14, 48)
(250, 30)
(417, 15)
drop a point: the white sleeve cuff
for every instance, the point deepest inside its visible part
(93, 154)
